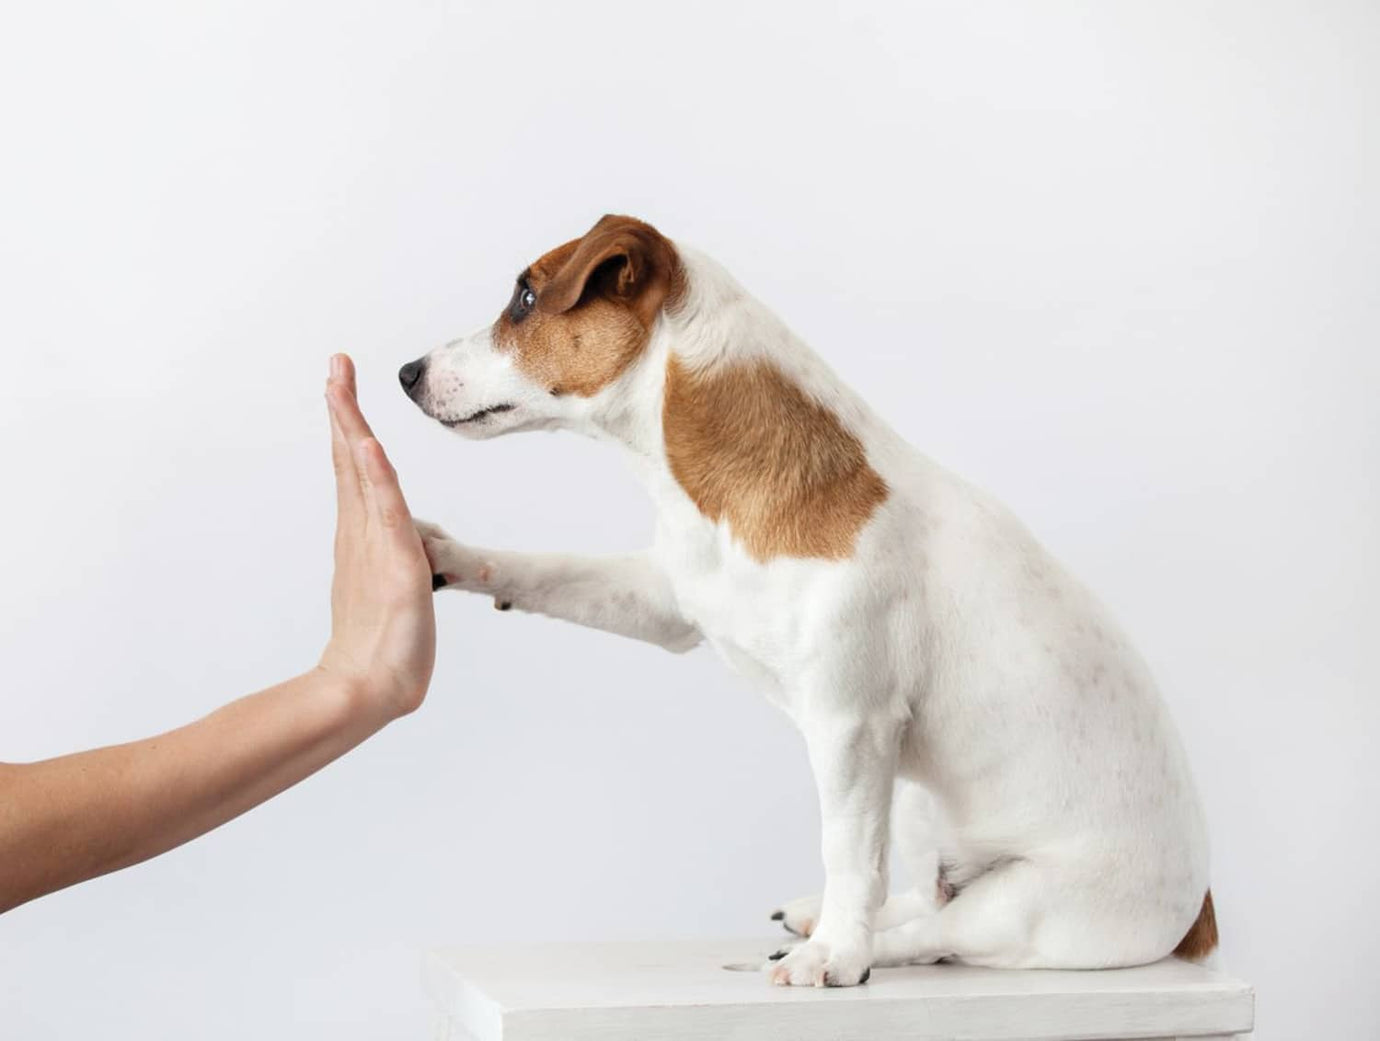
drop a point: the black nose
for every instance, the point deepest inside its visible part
(410, 375)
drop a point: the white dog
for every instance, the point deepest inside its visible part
(933, 654)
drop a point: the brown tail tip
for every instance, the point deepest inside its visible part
(1201, 938)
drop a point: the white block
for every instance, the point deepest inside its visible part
(680, 992)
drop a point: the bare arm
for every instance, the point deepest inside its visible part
(68, 819)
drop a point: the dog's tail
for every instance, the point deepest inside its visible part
(1201, 938)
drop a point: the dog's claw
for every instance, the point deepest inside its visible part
(778, 916)
(438, 582)
(503, 605)
(777, 955)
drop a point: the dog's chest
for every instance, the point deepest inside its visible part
(755, 614)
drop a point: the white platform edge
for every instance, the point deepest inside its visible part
(678, 992)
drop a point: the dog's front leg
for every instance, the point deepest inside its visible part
(627, 594)
(854, 762)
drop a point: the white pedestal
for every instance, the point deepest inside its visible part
(681, 992)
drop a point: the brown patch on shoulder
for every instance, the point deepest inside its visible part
(753, 450)
(594, 302)
(1201, 938)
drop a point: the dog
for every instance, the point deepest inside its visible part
(937, 660)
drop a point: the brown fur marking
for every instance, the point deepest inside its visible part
(752, 449)
(1201, 938)
(597, 300)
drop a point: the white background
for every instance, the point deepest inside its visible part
(1115, 261)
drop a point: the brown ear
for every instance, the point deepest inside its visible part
(621, 257)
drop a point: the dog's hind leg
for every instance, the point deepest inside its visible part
(916, 832)
(800, 916)
(626, 594)
(990, 922)
(1052, 913)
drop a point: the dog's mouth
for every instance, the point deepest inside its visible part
(474, 417)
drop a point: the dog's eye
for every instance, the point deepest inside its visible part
(524, 299)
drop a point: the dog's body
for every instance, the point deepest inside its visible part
(918, 635)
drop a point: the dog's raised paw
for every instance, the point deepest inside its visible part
(437, 546)
(453, 565)
(431, 532)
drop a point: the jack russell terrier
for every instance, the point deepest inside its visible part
(943, 668)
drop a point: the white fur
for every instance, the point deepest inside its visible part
(951, 655)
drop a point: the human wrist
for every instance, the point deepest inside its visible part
(349, 698)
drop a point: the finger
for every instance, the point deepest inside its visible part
(352, 420)
(389, 503)
(343, 370)
(349, 499)
(353, 428)
(363, 449)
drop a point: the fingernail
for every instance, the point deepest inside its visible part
(337, 366)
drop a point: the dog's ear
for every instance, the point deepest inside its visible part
(621, 258)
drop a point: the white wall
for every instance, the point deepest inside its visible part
(1116, 262)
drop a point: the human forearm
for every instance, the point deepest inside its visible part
(78, 816)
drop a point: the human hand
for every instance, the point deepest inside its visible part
(383, 627)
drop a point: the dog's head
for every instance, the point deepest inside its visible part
(578, 318)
